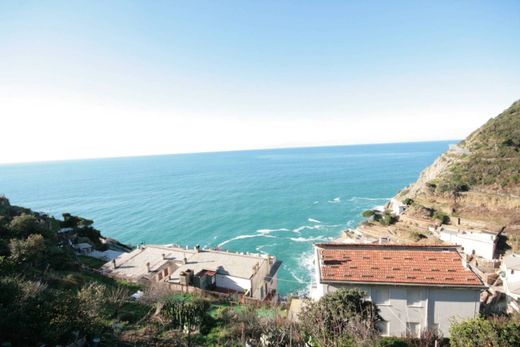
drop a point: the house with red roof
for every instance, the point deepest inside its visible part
(415, 287)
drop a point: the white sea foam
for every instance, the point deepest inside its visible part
(312, 220)
(306, 264)
(298, 279)
(307, 227)
(240, 237)
(354, 198)
(260, 250)
(336, 200)
(309, 239)
(268, 231)
(315, 202)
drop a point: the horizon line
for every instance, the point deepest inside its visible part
(216, 151)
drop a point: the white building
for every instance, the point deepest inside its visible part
(415, 287)
(254, 276)
(510, 273)
(480, 243)
(83, 248)
(396, 207)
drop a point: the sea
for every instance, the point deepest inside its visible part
(276, 201)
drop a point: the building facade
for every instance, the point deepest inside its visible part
(473, 243)
(510, 274)
(251, 275)
(415, 287)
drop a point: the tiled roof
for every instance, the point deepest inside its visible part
(437, 265)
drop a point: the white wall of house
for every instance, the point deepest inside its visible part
(233, 283)
(415, 308)
(317, 289)
(511, 280)
(483, 244)
(397, 207)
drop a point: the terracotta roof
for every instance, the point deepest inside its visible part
(432, 265)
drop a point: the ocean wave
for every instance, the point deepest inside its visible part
(305, 227)
(312, 220)
(336, 200)
(310, 239)
(354, 198)
(241, 237)
(260, 250)
(268, 231)
(296, 277)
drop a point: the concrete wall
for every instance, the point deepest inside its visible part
(433, 309)
(481, 243)
(258, 280)
(233, 283)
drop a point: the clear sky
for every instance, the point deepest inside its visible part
(84, 79)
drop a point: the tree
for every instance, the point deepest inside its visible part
(342, 318)
(25, 224)
(70, 221)
(22, 319)
(92, 300)
(492, 332)
(186, 314)
(473, 332)
(30, 250)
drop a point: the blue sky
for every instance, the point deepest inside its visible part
(81, 79)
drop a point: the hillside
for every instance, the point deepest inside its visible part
(476, 182)
(52, 296)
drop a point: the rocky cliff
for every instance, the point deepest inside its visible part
(476, 184)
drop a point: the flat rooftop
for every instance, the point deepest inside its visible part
(430, 265)
(223, 263)
(133, 265)
(512, 261)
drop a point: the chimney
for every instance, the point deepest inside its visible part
(185, 260)
(148, 266)
(114, 263)
(164, 256)
(197, 248)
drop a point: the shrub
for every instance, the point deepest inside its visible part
(341, 317)
(30, 250)
(368, 213)
(187, 314)
(408, 201)
(442, 217)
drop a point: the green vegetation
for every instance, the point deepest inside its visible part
(343, 318)
(47, 293)
(50, 296)
(385, 218)
(492, 160)
(493, 332)
(408, 201)
(440, 216)
(368, 213)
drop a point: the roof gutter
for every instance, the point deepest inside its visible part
(481, 286)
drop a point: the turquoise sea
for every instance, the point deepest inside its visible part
(274, 201)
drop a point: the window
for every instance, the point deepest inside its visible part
(381, 296)
(384, 328)
(413, 329)
(166, 272)
(160, 276)
(413, 297)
